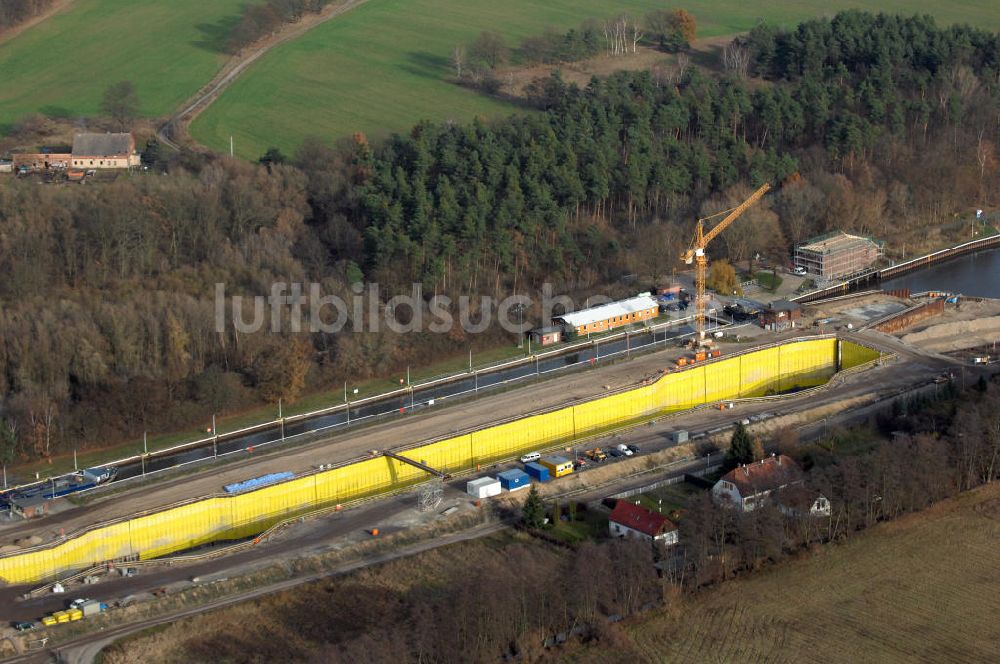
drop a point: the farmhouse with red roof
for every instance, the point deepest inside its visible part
(628, 520)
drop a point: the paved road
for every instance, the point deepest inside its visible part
(650, 438)
(299, 433)
(84, 649)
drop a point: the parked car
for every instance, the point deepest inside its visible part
(579, 463)
(624, 450)
(25, 626)
(77, 603)
(800, 271)
(531, 457)
(613, 451)
(634, 449)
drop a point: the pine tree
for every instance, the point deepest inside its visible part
(533, 512)
(740, 447)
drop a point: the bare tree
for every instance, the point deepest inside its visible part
(683, 62)
(458, 60)
(618, 31)
(985, 157)
(636, 36)
(736, 58)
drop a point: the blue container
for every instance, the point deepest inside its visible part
(537, 471)
(514, 479)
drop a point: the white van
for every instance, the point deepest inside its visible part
(624, 450)
(530, 457)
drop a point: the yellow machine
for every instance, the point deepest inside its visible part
(696, 254)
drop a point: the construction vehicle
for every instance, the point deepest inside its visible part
(696, 254)
(597, 454)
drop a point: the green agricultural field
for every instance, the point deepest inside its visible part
(381, 67)
(62, 66)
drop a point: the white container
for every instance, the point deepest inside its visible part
(484, 487)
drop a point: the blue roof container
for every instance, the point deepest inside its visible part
(537, 471)
(513, 480)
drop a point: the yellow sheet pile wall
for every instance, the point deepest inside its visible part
(794, 365)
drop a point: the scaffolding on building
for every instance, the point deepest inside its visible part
(838, 254)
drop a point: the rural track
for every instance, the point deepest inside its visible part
(85, 649)
(179, 121)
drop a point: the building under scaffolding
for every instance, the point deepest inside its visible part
(838, 254)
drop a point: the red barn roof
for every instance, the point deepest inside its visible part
(639, 518)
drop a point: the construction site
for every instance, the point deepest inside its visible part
(288, 513)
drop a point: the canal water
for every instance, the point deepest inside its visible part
(975, 274)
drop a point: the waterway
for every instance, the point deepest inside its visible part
(976, 274)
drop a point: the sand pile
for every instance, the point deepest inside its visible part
(956, 335)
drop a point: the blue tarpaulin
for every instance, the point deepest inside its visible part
(258, 482)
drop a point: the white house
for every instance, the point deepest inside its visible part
(750, 486)
(801, 501)
(629, 520)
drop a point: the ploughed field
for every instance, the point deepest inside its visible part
(383, 66)
(923, 588)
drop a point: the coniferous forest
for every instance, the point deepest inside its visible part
(107, 328)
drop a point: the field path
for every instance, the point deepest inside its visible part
(57, 6)
(175, 128)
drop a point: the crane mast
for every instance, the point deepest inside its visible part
(696, 254)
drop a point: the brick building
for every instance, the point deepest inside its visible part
(780, 315)
(837, 254)
(44, 160)
(89, 151)
(104, 151)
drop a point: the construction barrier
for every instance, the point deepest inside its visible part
(778, 369)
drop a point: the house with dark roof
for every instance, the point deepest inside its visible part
(802, 501)
(630, 520)
(751, 485)
(104, 151)
(780, 315)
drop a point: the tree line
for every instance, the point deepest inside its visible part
(477, 63)
(257, 21)
(928, 448)
(15, 12)
(599, 182)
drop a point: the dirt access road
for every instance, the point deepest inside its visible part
(176, 126)
(55, 8)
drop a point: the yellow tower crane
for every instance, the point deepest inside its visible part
(696, 254)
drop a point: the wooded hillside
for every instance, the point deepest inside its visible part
(107, 325)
